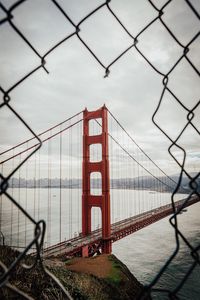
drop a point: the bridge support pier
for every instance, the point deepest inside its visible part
(84, 251)
(88, 200)
(106, 246)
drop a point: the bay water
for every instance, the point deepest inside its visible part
(147, 250)
(144, 252)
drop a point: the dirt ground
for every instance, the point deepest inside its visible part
(99, 266)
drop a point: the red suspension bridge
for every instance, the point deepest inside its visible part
(90, 182)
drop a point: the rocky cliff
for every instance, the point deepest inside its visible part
(100, 277)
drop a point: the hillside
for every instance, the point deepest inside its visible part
(101, 277)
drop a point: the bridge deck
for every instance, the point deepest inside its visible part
(118, 230)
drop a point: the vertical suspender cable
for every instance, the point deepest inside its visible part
(134, 180)
(34, 185)
(70, 178)
(161, 191)
(68, 184)
(49, 192)
(19, 200)
(118, 179)
(12, 192)
(100, 185)
(121, 176)
(150, 188)
(26, 197)
(142, 198)
(124, 177)
(138, 183)
(111, 173)
(158, 190)
(77, 177)
(80, 174)
(128, 182)
(48, 195)
(93, 177)
(38, 184)
(60, 217)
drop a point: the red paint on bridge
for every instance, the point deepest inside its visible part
(90, 242)
(94, 241)
(88, 200)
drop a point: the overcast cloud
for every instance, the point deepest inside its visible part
(76, 80)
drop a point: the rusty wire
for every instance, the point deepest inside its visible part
(9, 18)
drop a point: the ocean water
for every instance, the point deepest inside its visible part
(61, 209)
(146, 251)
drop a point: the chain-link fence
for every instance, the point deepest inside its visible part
(9, 20)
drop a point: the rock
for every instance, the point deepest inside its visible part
(102, 277)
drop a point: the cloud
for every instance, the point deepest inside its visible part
(75, 81)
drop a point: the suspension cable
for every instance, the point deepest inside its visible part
(131, 156)
(140, 147)
(46, 131)
(50, 137)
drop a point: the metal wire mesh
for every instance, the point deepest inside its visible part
(8, 19)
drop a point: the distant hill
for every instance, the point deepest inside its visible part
(164, 184)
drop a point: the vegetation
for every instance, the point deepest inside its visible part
(118, 283)
(115, 275)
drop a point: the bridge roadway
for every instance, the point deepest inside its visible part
(119, 230)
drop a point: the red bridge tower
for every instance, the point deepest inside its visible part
(103, 200)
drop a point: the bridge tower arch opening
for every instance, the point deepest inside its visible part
(96, 218)
(90, 200)
(95, 183)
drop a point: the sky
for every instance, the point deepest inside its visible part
(76, 80)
